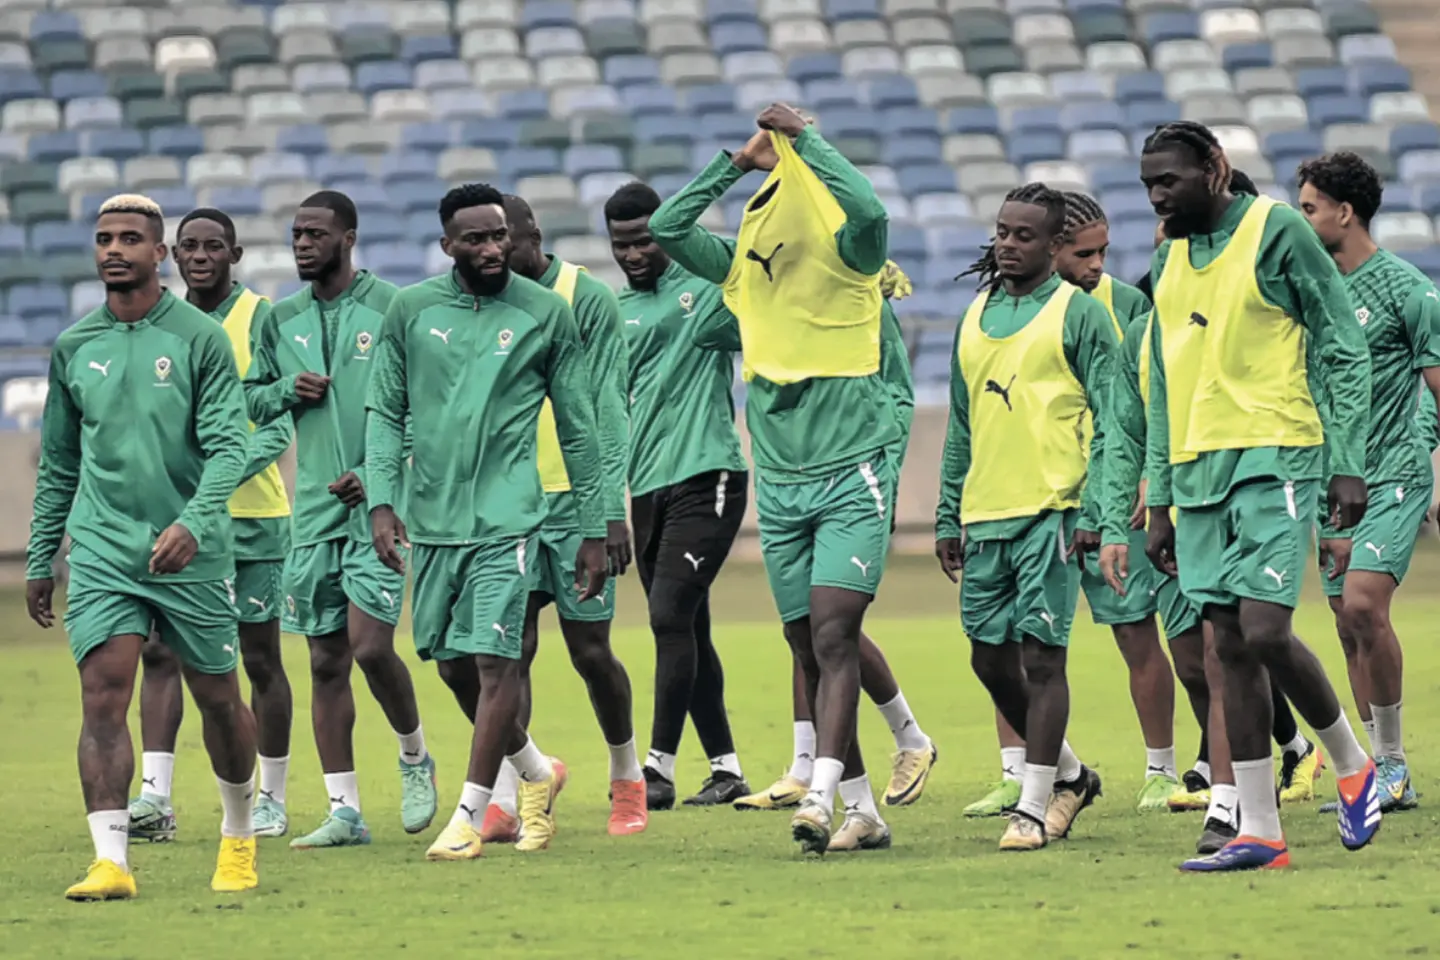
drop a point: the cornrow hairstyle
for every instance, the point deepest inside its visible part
(1081, 211)
(1345, 177)
(141, 204)
(987, 268)
(466, 196)
(1199, 140)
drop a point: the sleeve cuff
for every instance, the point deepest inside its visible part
(37, 569)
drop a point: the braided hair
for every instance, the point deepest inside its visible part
(1081, 211)
(987, 268)
(1199, 140)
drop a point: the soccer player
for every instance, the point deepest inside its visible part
(144, 431)
(1243, 292)
(586, 628)
(688, 490)
(1399, 310)
(471, 355)
(1032, 356)
(803, 281)
(313, 359)
(206, 251)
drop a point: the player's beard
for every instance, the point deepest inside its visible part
(137, 279)
(321, 269)
(483, 284)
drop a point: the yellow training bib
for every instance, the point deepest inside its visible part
(803, 313)
(263, 495)
(1235, 369)
(1027, 452)
(553, 477)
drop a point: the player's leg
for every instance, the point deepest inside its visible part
(162, 706)
(271, 701)
(1187, 651)
(794, 783)
(915, 754)
(1354, 664)
(1002, 796)
(376, 594)
(1300, 760)
(1222, 804)
(462, 676)
(710, 718)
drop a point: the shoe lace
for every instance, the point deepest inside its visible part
(413, 776)
(239, 859)
(532, 802)
(907, 762)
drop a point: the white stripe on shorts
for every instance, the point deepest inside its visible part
(873, 482)
(720, 493)
(520, 556)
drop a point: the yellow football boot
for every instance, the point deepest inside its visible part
(235, 867)
(781, 795)
(458, 841)
(1298, 777)
(105, 880)
(537, 808)
(909, 770)
(1023, 833)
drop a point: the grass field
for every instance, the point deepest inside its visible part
(718, 881)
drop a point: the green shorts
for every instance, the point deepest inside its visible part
(829, 532)
(258, 589)
(470, 601)
(1025, 587)
(555, 578)
(1250, 546)
(1147, 592)
(195, 620)
(322, 579)
(1385, 540)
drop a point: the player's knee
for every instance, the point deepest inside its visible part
(592, 656)
(835, 644)
(1190, 671)
(373, 653)
(1364, 619)
(262, 663)
(460, 675)
(329, 664)
(105, 697)
(1269, 645)
(1044, 664)
(1138, 643)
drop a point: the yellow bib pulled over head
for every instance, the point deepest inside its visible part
(1027, 450)
(263, 495)
(1235, 368)
(553, 477)
(803, 313)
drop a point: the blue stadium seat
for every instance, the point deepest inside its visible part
(1427, 260)
(1092, 115)
(1245, 56)
(908, 242)
(55, 25)
(1368, 79)
(54, 147)
(410, 196)
(738, 37)
(31, 301)
(332, 169)
(1141, 85)
(1169, 25)
(539, 14)
(733, 129)
(892, 91)
(1321, 81)
(529, 104)
(61, 237)
(854, 122)
(175, 201)
(1035, 120)
(1034, 147)
(268, 168)
(1144, 116)
(432, 136)
(911, 151)
(662, 128)
(494, 134)
(13, 332)
(973, 120)
(376, 75)
(307, 139)
(630, 69)
(1414, 136)
(1329, 109)
(916, 180)
(730, 11)
(529, 162)
(838, 10)
(1111, 176)
(385, 226)
(394, 257)
(910, 121)
(1420, 166)
(414, 50)
(19, 83)
(183, 142)
(12, 240)
(422, 227)
(1286, 148)
(641, 101)
(1097, 146)
(400, 165)
(120, 144)
(827, 93)
(584, 159)
(813, 66)
(66, 85)
(709, 98)
(238, 201)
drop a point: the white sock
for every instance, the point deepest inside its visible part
(856, 797)
(908, 735)
(1161, 762)
(237, 801)
(662, 763)
(825, 782)
(1202, 767)
(507, 786)
(1346, 754)
(728, 762)
(156, 772)
(1388, 740)
(1298, 746)
(273, 774)
(1369, 726)
(473, 801)
(1035, 791)
(1255, 787)
(110, 829)
(624, 764)
(1069, 766)
(531, 764)
(1224, 804)
(1012, 763)
(802, 764)
(343, 789)
(412, 745)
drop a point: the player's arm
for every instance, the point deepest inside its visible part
(1157, 411)
(59, 474)
(267, 443)
(568, 385)
(387, 412)
(268, 393)
(221, 431)
(598, 317)
(864, 239)
(1124, 441)
(955, 461)
(1089, 341)
(895, 374)
(715, 328)
(1421, 316)
(676, 224)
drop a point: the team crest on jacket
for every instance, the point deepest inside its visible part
(363, 341)
(1363, 315)
(505, 338)
(687, 301)
(162, 368)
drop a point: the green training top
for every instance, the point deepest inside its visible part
(597, 315)
(1088, 339)
(1295, 274)
(144, 427)
(682, 410)
(1131, 304)
(334, 339)
(1124, 440)
(856, 416)
(473, 372)
(259, 538)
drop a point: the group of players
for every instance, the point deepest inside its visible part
(478, 433)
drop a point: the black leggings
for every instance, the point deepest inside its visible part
(688, 675)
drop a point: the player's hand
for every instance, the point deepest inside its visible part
(388, 534)
(617, 547)
(783, 118)
(950, 551)
(174, 550)
(311, 387)
(348, 489)
(1160, 543)
(591, 566)
(1137, 516)
(757, 154)
(1115, 565)
(1347, 498)
(1336, 555)
(38, 597)
(1083, 542)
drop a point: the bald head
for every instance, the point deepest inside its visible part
(527, 257)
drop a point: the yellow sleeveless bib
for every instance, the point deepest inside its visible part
(553, 477)
(1026, 410)
(803, 313)
(263, 495)
(1235, 369)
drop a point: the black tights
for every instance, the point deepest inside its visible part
(688, 675)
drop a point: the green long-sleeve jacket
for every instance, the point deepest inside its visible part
(144, 427)
(473, 373)
(1295, 274)
(803, 430)
(1088, 339)
(1124, 451)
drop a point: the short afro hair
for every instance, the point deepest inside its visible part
(335, 201)
(214, 216)
(138, 203)
(466, 196)
(633, 201)
(1345, 177)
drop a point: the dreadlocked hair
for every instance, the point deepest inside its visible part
(987, 268)
(1081, 211)
(1200, 141)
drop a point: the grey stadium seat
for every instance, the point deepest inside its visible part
(323, 75)
(277, 109)
(685, 69)
(485, 13)
(210, 108)
(363, 137)
(145, 172)
(216, 170)
(850, 34)
(336, 106)
(80, 175)
(919, 32)
(488, 42)
(464, 164)
(504, 73)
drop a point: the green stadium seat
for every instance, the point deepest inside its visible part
(69, 268)
(1342, 21)
(861, 151)
(569, 222)
(979, 28)
(651, 159)
(1101, 26)
(545, 133)
(614, 38)
(24, 177)
(136, 86)
(194, 82)
(983, 61)
(51, 55)
(362, 46)
(237, 48)
(145, 114)
(616, 131)
(38, 206)
(13, 270)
